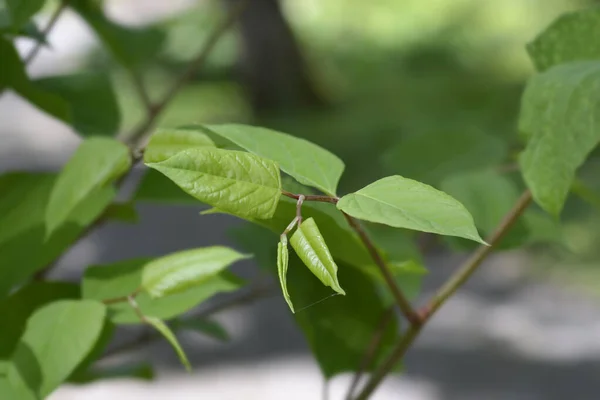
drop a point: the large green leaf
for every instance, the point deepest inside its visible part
(431, 157)
(21, 11)
(92, 103)
(282, 267)
(124, 278)
(405, 203)
(24, 246)
(233, 181)
(132, 47)
(183, 270)
(170, 336)
(57, 338)
(16, 309)
(96, 163)
(165, 143)
(567, 39)
(310, 246)
(310, 164)
(558, 114)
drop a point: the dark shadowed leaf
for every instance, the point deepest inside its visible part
(203, 326)
(131, 46)
(24, 246)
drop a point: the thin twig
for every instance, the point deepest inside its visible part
(371, 352)
(299, 209)
(310, 197)
(53, 19)
(445, 292)
(401, 300)
(138, 136)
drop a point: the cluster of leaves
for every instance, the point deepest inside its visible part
(54, 332)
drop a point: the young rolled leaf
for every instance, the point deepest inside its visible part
(170, 336)
(236, 182)
(567, 39)
(558, 113)
(405, 203)
(310, 246)
(97, 162)
(165, 143)
(57, 338)
(310, 164)
(85, 94)
(180, 271)
(282, 266)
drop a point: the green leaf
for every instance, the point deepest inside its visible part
(407, 274)
(123, 278)
(97, 162)
(431, 157)
(132, 47)
(57, 338)
(166, 332)
(183, 270)
(92, 103)
(282, 266)
(567, 39)
(24, 246)
(233, 181)
(123, 212)
(203, 326)
(165, 143)
(142, 371)
(16, 309)
(405, 203)
(310, 246)
(14, 76)
(74, 99)
(558, 113)
(310, 164)
(21, 11)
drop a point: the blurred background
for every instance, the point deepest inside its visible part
(366, 80)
